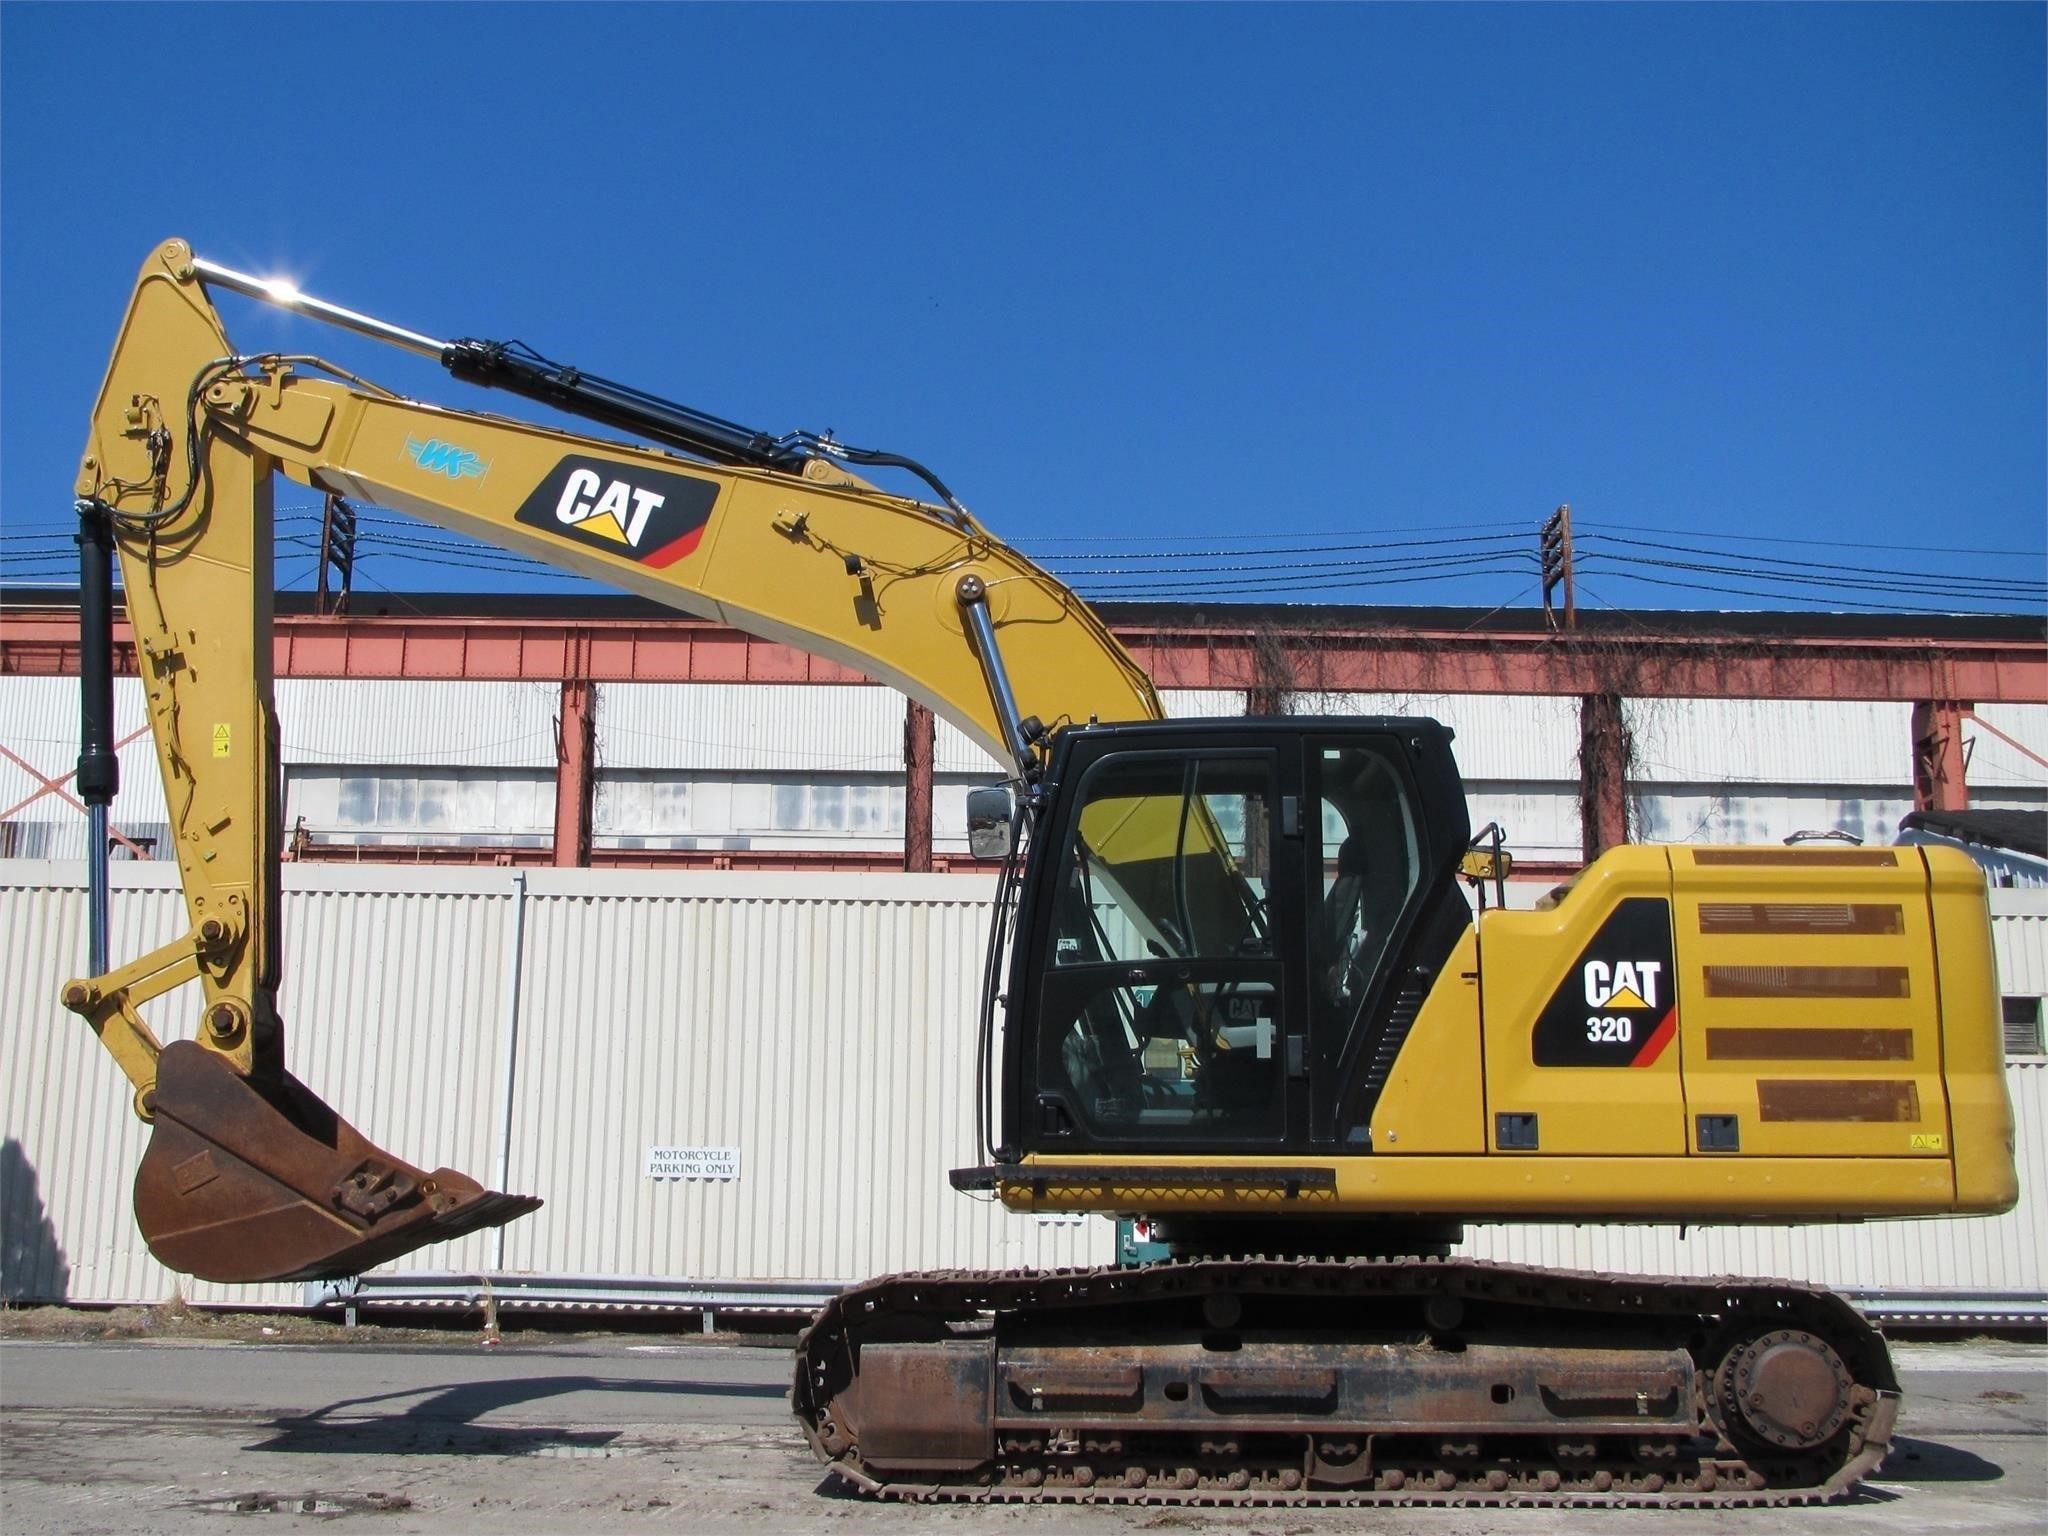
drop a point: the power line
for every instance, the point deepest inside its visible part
(1850, 584)
(1252, 538)
(1320, 567)
(1813, 565)
(1063, 562)
(1340, 583)
(1221, 568)
(1762, 538)
(1776, 596)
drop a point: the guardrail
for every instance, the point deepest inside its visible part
(626, 1294)
(1952, 1309)
(606, 1294)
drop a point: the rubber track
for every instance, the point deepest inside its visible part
(963, 1296)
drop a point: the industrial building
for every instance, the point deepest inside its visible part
(608, 731)
(641, 884)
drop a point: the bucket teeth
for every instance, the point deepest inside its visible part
(241, 1185)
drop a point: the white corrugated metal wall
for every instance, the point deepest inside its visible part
(394, 1011)
(2019, 920)
(2000, 774)
(39, 721)
(417, 723)
(822, 1024)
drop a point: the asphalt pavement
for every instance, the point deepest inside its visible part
(183, 1436)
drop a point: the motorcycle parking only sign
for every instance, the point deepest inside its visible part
(693, 1162)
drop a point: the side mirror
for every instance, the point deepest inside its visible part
(991, 820)
(1487, 864)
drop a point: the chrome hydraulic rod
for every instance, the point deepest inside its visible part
(97, 908)
(274, 290)
(972, 595)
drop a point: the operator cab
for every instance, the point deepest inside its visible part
(1211, 922)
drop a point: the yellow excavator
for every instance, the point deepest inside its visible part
(1234, 987)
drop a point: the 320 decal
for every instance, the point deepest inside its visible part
(1614, 1008)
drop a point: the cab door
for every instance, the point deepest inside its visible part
(1167, 1010)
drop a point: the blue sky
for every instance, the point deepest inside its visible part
(1240, 279)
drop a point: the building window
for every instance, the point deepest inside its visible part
(471, 806)
(837, 808)
(642, 804)
(67, 839)
(2023, 1026)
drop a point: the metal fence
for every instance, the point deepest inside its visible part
(804, 1041)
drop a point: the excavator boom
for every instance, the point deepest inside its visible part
(251, 1176)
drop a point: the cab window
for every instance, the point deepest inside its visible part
(1162, 995)
(1371, 861)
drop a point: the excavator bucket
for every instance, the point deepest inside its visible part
(242, 1185)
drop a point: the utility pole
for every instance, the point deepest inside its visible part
(1554, 545)
(337, 553)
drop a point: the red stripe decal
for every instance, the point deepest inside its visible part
(1659, 1038)
(674, 550)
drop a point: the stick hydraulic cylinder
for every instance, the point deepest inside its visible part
(99, 770)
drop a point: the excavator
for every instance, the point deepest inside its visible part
(1235, 987)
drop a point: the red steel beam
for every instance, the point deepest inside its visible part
(575, 771)
(1637, 665)
(1389, 660)
(1939, 783)
(920, 738)
(1603, 773)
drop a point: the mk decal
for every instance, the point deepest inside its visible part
(1617, 1005)
(646, 515)
(439, 458)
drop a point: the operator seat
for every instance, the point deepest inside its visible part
(1341, 907)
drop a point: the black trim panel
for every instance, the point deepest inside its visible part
(1291, 1181)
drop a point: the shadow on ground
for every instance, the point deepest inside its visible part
(1929, 1461)
(32, 1262)
(445, 1419)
